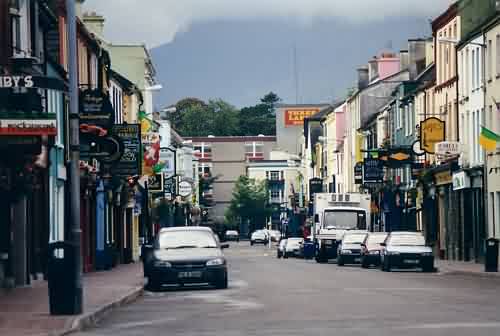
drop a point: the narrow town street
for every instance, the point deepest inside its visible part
(270, 296)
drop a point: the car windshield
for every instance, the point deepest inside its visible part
(186, 239)
(349, 220)
(407, 240)
(375, 239)
(354, 238)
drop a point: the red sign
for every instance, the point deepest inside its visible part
(296, 117)
(28, 127)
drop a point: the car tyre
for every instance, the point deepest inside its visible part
(251, 243)
(278, 255)
(153, 285)
(364, 264)
(340, 261)
(222, 284)
(286, 255)
(386, 265)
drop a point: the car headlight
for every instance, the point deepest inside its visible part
(162, 263)
(393, 253)
(427, 254)
(374, 252)
(346, 251)
(216, 262)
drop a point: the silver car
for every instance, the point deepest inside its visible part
(406, 250)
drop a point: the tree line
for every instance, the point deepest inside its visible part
(194, 117)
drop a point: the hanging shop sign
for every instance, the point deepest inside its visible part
(396, 157)
(432, 131)
(155, 183)
(448, 148)
(443, 178)
(315, 186)
(373, 170)
(106, 148)
(295, 117)
(96, 108)
(461, 181)
(185, 189)
(167, 162)
(129, 164)
(358, 173)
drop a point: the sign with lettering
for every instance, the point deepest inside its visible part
(432, 131)
(155, 183)
(373, 170)
(461, 181)
(28, 127)
(443, 177)
(315, 186)
(295, 117)
(96, 108)
(448, 148)
(358, 173)
(185, 189)
(16, 81)
(130, 162)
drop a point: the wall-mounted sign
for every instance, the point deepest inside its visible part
(358, 173)
(96, 108)
(106, 149)
(185, 189)
(448, 148)
(443, 177)
(28, 127)
(28, 82)
(432, 131)
(130, 162)
(295, 117)
(167, 161)
(155, 183)
(461, 181)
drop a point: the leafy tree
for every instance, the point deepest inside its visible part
(249, 203)
(261, 118)
(224, 117)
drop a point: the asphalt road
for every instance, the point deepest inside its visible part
(267, 296)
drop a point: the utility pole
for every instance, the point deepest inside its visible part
(74, 156)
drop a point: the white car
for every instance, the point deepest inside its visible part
(275, 235)
(281, 248)
(259, 237)
(232, 235)
(292, 247)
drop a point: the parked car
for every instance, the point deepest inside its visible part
(232, 235)
(186, 255)
(406, 250)
(281, 248)
(259, 237)
(349, 250)
(275, 235)
(370, 249)
(292, 247)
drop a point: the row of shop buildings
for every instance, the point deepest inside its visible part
(128, 155)
(410, 134)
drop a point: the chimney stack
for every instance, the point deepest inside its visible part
(95, 23)
(363, 77)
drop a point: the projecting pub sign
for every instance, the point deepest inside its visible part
(432, 131)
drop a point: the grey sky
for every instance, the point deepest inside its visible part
(156, 22)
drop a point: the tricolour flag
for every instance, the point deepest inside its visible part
(488, 139)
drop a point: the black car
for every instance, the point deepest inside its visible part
(406, 250)
(185, 255)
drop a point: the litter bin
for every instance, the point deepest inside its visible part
(491, 259)
(64, 296)
(308, 249)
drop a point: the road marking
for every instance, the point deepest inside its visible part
(138, 324)
(453, 325)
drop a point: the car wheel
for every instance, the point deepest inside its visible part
(238, 240)
(222, 284)
(364, 264)
(386, 266)
(286, 255)
(251, 243)
(278, 255)
(340, 261)
(153, 285)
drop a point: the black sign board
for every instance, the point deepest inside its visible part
(96, 108)
(373, 170)
(26, 101)
(129, 136)
(155, 183)
(315, 186)
(170, 186)
(358, 173)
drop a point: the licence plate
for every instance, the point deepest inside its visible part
(195, 274)
(410, 261)
(328, 242)
(357, 259)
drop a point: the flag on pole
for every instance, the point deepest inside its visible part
(488, 139)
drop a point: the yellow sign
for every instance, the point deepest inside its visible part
(296, 117)
(432, 131)
(443, 178)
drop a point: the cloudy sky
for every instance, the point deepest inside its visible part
(158, 21)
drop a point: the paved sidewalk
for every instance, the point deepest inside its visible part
(25, 311)
(464, 268)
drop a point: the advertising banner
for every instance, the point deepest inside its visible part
(295, 117)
